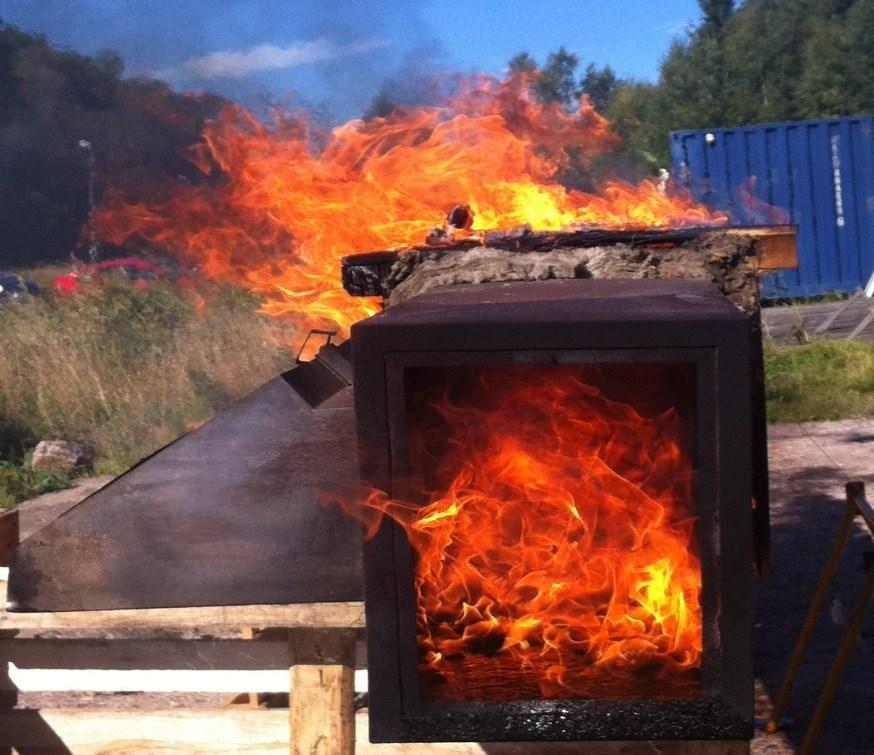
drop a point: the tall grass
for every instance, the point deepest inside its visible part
(128, 370)
(823, 380)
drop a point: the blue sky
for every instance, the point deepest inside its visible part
(336, 54)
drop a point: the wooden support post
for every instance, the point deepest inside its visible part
(322, 689)
(252, 699)
(9, 534)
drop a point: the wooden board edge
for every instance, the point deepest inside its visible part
(339, 615)
(776, 246)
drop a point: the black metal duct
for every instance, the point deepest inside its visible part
(226, 515)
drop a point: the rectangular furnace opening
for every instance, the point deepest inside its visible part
(556, 556)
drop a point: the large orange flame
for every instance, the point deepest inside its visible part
(290, 202)
(555, 543)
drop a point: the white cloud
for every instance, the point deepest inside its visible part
(228, 64)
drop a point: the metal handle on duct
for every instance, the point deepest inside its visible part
(329, 334)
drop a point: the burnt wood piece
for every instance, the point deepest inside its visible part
(367, 274)
(363, 274)
(226, 515)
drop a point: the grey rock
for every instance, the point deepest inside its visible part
(60, 456)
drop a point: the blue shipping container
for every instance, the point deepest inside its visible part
(816, 174)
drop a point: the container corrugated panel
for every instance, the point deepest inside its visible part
(818, 175)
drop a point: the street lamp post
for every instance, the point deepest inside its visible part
(93, 246)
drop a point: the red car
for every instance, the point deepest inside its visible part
(132, 268)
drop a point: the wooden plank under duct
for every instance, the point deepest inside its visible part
(321, 668)
(344, 614)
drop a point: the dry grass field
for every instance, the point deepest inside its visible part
(128, 369)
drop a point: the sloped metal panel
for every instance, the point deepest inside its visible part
(227, 515)
(821, 173)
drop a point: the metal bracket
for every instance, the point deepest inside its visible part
(329, 334)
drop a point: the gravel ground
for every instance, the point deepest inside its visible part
(809, 465)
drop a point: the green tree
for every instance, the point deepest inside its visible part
(827, 73)
(859, 30)
(750, 61)
(759, 61)
(716, 12)
(140, 132)
(522, 63)
(557, 81)
(634, 112)
(600, 84)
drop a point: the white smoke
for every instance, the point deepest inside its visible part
(230, 64)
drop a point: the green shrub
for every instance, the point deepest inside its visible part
(19, 482)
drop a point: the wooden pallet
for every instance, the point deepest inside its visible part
(315, 642)
(318, 652)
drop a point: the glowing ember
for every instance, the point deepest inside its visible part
(290, 202)
(556, 555)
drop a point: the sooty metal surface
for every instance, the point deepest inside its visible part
(226, 515)
(565, 322)
(575, 720)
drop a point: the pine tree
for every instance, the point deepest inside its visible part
(716, 12)
(859, 29)
(522, 63)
